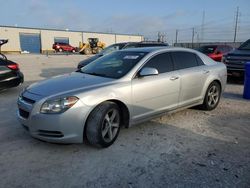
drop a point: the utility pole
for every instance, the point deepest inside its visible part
(193, 37)
(202, 26)
(236, 24)
(159, 37)
(176, 36)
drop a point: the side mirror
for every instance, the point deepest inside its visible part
(148, 71)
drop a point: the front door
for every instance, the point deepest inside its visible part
(154, 94)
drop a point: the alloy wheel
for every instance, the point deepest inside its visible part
(110, 125)
(213, 96)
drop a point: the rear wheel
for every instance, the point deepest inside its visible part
(103, 124)
(212, 96)
(73, 51)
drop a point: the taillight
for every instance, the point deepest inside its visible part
(13, 66)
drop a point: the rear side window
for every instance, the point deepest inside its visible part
(199, 61)
(183, 60)
(161, 62)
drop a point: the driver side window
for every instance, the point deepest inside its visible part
(162, 62)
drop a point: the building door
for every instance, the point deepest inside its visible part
(30, 42)
(61, 40)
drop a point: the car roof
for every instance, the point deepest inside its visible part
(148, 42)
(144, 49)
(158, 49)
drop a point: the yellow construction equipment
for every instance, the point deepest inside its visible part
(93, 46)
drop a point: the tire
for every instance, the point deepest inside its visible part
(98, 50)
(60, 50)
(87, 51)
(212, 97)
(101, 130)
(73, 51)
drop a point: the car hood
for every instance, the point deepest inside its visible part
(65, 83)
(239, 53)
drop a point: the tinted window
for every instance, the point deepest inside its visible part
(132, 45)
(161, 62)
(199, 61)
(114, 65)
(245, 45)
(184, 60)
(110, 49)
(207, 49)
(63, 40)
(151, 45)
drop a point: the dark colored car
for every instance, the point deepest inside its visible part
(215, 52)
(60, 47)
(10, 74)
(236, 60)
(119, 46)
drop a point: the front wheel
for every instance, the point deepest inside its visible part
(103, 124)
(87, 51)
(212, 97)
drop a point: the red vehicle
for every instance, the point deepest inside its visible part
(60, 47)
(215, 51)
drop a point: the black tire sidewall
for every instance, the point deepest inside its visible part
(95, 121)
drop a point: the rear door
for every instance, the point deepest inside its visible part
(153, 94)
(193, 74)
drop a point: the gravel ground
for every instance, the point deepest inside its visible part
(190, 148)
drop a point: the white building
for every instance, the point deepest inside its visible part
(38, 40)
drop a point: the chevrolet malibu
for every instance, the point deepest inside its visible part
(120, 89)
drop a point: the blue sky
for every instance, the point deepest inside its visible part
(145, 17)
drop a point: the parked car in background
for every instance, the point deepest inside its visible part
(215, 51)
(235, 60)
(120, 89)
(63, 47)
(119, 46)
(10, 74)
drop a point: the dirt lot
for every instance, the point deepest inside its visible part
(190, 148)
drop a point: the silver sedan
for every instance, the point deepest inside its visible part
(120, 89)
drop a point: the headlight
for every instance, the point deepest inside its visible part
(58, 105)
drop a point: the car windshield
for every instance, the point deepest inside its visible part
(114, 65)
(207, 49)
(112, 48)
(245, 46)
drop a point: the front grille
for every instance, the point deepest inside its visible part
(24, 113)
(28, 100)
(56, 134)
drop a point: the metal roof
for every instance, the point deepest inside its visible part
(50, 29)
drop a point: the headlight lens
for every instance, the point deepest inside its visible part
(58, 105)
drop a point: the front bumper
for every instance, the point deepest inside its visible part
(66, 127)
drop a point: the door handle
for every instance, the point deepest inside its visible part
(174, 78)
(206, 71)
